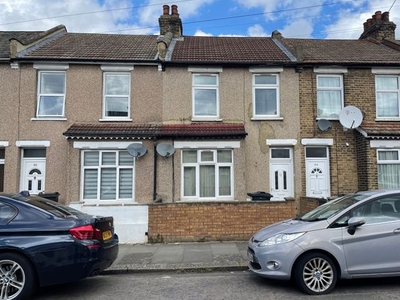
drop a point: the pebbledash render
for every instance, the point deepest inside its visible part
(173, 135)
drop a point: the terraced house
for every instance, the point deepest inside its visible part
(170, 133)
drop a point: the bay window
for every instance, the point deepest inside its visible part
(207, 174)
(107, 175)
(388, 169)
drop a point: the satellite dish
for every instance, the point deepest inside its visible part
(350, 117)
(136, 149)
(324, 125)
(165, 149)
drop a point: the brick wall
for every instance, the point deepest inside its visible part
(307, 204)
(344, 154)
(214, 221)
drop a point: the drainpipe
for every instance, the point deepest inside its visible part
(155, 171)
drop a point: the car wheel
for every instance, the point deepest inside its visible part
(315, 274)
(17, 277)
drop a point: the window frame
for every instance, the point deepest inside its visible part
(382, 162)
(99, 167)
(387, 91)
(205, 87)
(340, 88)
(197, 165)
(275, 87)
(104, 112)
(40, 94)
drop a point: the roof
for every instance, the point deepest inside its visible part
(380, 130)
(91, 46)
(23, 36)
(228, 50)
(342, 51)
(148, 131)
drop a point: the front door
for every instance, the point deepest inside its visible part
(317, 178)
(317, 172)
(281, 180)
(33, 175)
(281, 173)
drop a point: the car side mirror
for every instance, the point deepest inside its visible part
(353, 223)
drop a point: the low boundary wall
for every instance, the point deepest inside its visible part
(214, 221)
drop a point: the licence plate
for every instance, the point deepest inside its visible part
(107, 235)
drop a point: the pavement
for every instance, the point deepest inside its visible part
(182, 257)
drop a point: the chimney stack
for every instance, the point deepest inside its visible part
(170, 22)
(379, 27)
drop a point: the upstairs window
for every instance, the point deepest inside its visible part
(387, 96)
(205, 96)
(265, 95)
(117, 90)
(329, 96)
(51, 94)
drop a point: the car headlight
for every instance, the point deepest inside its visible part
(281, 238)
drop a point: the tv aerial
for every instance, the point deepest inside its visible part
(136, 150)
(324, 124)
(165, 149)
(350, 117)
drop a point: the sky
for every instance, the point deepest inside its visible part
(317, 19)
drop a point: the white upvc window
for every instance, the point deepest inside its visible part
(107, 175)
(205, 93)
(51, 94)
(265, 95)
(387, 96)
(329, 96)
(207, 174)
(388, 168)
(116, 95)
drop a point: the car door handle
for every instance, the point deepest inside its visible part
(396, 230)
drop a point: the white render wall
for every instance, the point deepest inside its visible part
(130, 221)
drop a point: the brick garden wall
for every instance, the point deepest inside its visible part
(214, 221)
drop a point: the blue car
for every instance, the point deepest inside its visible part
(43, 242)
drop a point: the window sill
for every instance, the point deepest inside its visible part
(116, 120)
(387, 119)
(49, 119)
(267, 119)
(206, 120)
(107, 203)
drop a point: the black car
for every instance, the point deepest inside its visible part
(43, 242)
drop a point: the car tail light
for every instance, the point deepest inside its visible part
(87, 232)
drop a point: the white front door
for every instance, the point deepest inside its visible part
(33, 175)
(317, 178)
(281, 173)
(281, 182)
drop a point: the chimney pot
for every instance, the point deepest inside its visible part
(369, 22)
(165, 9)
(175, 10)
(365, 26)
(378, 15)
(385, 16)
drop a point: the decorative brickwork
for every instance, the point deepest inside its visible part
(214, 221)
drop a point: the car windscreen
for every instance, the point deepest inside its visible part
(332, 207)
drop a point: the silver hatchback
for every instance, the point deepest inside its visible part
(354, 236)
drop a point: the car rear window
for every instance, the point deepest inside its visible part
(55, 208)
(6, 213)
